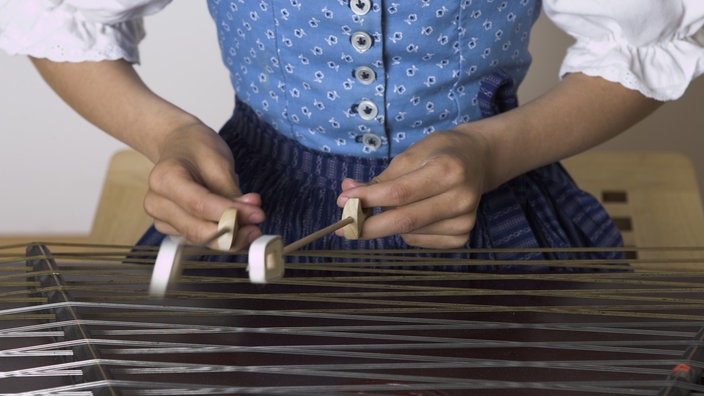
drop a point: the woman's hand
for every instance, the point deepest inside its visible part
(192, 184)
(430, 193)
(193, 181)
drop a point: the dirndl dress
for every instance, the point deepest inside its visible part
(279, 114)
(299, 187)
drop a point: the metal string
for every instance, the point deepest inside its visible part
(380, 325)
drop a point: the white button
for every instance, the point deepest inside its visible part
(367, 110)
(361, 41)
(365, 75)
(361, 7)
(371, 140)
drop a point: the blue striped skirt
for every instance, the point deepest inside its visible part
(299, 188)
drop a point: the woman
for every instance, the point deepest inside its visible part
(418, 97)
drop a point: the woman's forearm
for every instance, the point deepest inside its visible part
(111, 95)
(193, 180)
(577, 114)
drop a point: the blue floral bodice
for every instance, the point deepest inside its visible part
(371, 77)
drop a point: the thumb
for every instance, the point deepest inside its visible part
(349, 184)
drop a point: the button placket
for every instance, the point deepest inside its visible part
(371, 141)
(363, 42)
(365, 75)
(361, 7)
(367, 110)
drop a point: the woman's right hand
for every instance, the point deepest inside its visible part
(193, 182)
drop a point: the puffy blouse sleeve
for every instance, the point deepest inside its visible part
(653, 46)
(75, 30)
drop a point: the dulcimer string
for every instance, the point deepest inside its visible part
(384, 265)
(377, 297)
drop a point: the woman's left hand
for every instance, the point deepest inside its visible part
(429, 193)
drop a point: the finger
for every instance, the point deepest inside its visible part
(450, 213)
(436, 241)
(250, 199)
(348, 184)
(245, 234)
(249, 209)
(453, 227)
(459, 225)
(170, 212)
(165, 228)
(175, 182)
(431, 179)
(171, 219)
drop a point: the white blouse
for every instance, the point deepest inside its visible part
(653, 46)
(75, 30)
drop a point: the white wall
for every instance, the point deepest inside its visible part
(52, 163)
